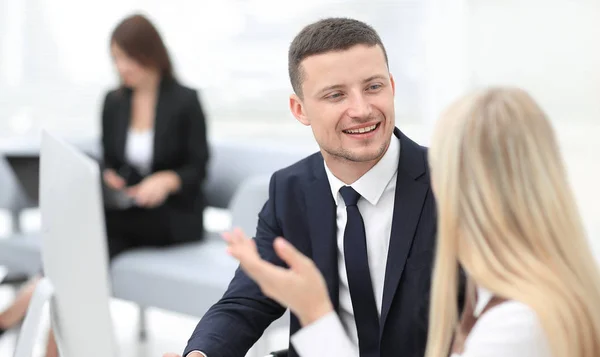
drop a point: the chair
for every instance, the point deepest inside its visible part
(17, 252)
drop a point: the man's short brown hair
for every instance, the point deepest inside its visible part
(327, 35)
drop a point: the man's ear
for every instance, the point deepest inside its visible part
(298, 110)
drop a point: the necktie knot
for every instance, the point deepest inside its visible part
(349, 195)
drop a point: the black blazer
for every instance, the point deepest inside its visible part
(180, 144)
(301, 209)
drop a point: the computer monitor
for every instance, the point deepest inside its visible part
(74, 251)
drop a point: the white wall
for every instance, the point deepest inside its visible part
(55, 65)
(550, 48)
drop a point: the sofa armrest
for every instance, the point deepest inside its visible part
(248, 200)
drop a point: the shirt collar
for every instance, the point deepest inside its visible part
(372, 184)
(484, 296)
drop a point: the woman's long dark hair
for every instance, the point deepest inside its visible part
(140, 40)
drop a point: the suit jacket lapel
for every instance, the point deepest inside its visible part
(161, 121)
(321, 213)
(409, 199)
(122, 125)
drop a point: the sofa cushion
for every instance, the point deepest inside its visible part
(21, 254)
(188, 278)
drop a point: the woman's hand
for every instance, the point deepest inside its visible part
(113, 180)
(301, 288)
(154, 189)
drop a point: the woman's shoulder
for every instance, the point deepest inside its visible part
(180, 95)
(511, 312)
(179, 88)
(509, 327)
(115, 95)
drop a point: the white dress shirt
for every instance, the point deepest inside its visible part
(377, 188)
(508, 329)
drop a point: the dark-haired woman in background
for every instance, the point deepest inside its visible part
(155, 146)
(155, 153)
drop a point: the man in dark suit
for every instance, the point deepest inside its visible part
(362, 208)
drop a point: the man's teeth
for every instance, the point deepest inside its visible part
(362, 130)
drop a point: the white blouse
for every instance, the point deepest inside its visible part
(508, 329)
(139, 150)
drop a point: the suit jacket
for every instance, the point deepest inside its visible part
(301, 209)
(180, 144)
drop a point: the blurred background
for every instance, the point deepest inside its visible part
(55, 66)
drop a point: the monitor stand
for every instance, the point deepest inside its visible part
(44, 293)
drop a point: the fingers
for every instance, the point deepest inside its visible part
(241, 247)
(290, 255)
(153, 199)
(113, 180)
(133, 190)
(108, 174)
(146, 196)
(118, 182)
(244, 250)
(139, 194)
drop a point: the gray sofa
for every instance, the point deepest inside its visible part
(19, 253)
(188, 278)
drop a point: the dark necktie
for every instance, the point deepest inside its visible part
(359, 277)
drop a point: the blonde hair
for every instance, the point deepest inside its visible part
(508, 217)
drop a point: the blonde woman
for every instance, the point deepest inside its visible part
(506, 216)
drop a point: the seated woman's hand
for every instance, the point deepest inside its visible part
(301, 287)
(154, 189)
(113, 180)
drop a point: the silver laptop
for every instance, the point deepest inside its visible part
(74, 254)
